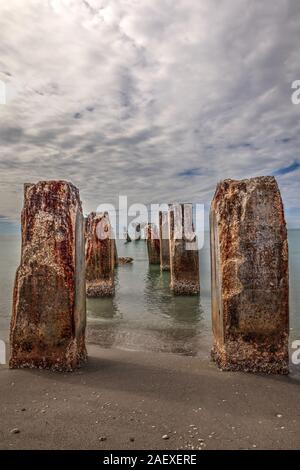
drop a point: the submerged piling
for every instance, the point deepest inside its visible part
(100, 255)
(164, 241)
(153, 245)
(249, 257)
(184, 254)
(49, 313)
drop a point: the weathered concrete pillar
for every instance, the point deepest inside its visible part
(164, 241)
(249, 254)
(99, 256)
(153, 245)
(184, 254)
(49, 313)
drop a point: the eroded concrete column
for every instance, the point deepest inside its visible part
(249, 253)
(184, 254)
(164, 241)
(99, 255)
(153, 245)
(49, 311)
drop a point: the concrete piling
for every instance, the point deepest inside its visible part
(249, 257)
(100, 255)
(153, 245)
(164, 241)
(49, 312)
(184, 254)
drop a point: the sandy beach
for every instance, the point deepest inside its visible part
(139, 400)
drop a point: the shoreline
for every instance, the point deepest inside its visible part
(130, 400)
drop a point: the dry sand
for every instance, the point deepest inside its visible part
(131, 400)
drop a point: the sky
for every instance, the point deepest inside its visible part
(154, 99)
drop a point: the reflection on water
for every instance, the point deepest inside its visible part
(144, 314)
(106, 308)
(160, 301)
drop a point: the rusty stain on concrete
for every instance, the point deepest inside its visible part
(100, 255)
(164, 241)
(184, 254)
(49, 312)
(250, 286)
(153, 244)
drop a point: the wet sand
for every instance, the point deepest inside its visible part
(141, 400)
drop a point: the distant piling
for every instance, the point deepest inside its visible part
(137, 232)
(100, 256)
(184, 254)
(249, 257)
(164, 241)
(153, 244)
(49, 312)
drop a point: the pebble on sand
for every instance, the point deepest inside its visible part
(15, 431)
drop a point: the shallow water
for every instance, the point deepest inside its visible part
(144, 315)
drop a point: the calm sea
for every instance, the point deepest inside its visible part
(144, 315)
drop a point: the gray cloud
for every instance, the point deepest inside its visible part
(155, 99)
(10, 135)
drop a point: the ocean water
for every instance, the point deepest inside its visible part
(143, 314)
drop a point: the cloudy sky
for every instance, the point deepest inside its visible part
(154, 99)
